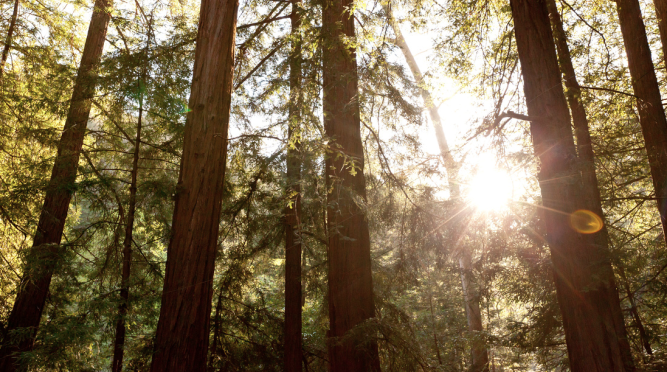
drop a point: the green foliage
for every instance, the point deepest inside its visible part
(418, 232)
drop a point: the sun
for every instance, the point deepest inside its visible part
(490, 189)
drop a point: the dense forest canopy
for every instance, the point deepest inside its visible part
(313, 185)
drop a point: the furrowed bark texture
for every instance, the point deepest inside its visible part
(44, 254)
(480, 356)
(573, 96)
(584, 143)
(350, 281)
(587, 295)
(8, 40)
(661, 13)
(119, 343)
(293, 354)
(182, 337)
(649, 104)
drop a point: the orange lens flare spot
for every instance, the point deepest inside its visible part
(586, 222)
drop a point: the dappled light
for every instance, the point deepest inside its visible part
(333, 186)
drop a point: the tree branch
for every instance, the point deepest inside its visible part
(258, 65)
(262, 22)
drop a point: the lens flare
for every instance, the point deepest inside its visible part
(586, 222)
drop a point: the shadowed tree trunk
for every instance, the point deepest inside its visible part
(661, 14)
(584, 144)
(643, 335)
(293, 354)
(8, 40)
(182, 337)
(649, 104)
(43, 257)
(216, 333)
(480, 357)
(586, 291)
(119, 343)
(573, 96)
(350, 281)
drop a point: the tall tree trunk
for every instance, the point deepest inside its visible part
(182, 337)
(44, 255)
(649, 104)
(480, 356)
(8, 40)
(573, 96)
(586, 291)
(661, 13)
(584, 144)
(450, 164)
(293, 354)
(216, 332)
(119, 343)
(350, 281)
(643, 335)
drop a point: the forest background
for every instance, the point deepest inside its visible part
(462, 273)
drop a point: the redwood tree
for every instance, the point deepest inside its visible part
(585, 146)
(649, 104)
(8, 39)
(119, 342)
(293, 354)
(43, 257)
(350, 281)
(182, 337)
(586, 290)
(661, 14)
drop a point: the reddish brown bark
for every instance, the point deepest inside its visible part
(649, 104)
(584, 144)
(293, 338)
(661, 13)
(573, 96)
(350, 281)
(44, 254)
(119, 343)
(586, 291)
(182, 337)
(8, 40)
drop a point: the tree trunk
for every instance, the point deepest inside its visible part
(649, 104)
(450, 164)
(293, 354)
(119, 344)
(586, 291)
(8, 40)
(643, 335)
(182, 337)
(661, 13)
(216, 332)
(573, 96)
(350, 280)
(43, 257)
(480, 356)
(584, 144)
